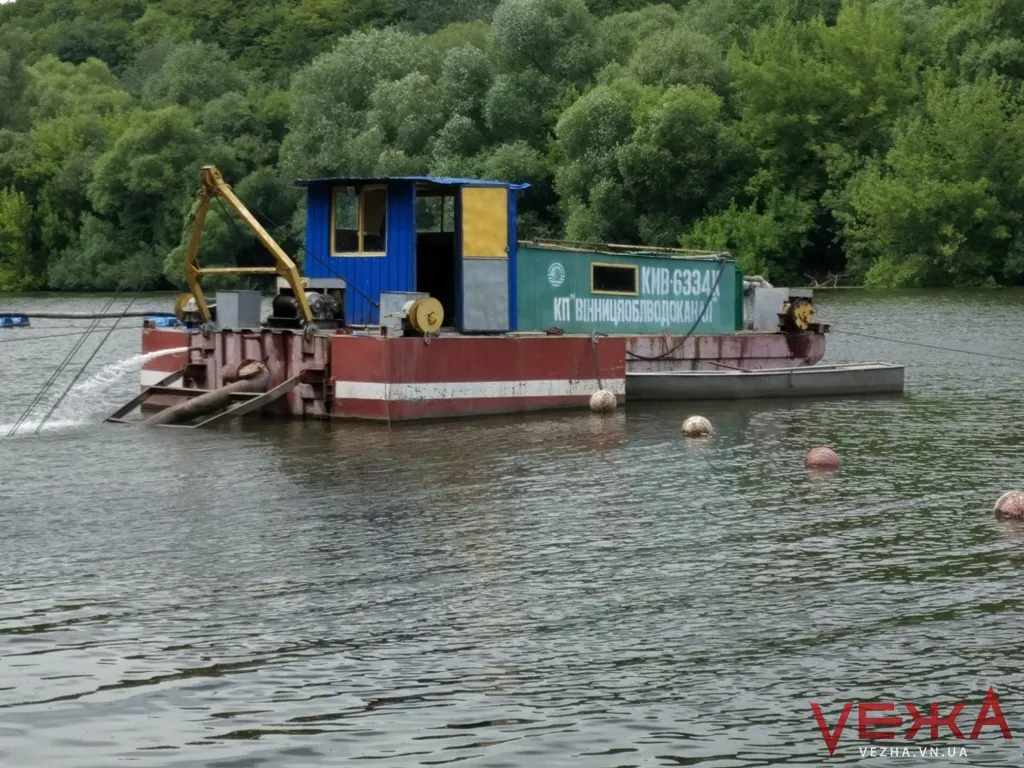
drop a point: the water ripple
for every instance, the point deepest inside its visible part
(546, 590)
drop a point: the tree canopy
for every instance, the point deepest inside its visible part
(882, 139)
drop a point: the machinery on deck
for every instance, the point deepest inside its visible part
(788, 310)
(301, 303)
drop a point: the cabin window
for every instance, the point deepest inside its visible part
(614, 278)
(359, 216)
(435, 213)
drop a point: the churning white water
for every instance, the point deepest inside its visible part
(88, 401)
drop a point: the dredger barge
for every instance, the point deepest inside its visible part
(418, 300)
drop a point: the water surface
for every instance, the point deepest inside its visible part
(564, 590)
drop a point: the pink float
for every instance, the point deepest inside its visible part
(822, 458)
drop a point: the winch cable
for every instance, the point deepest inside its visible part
(320, 261)
(62, 366)
(929, 346)
(85, 365)
(711, 295)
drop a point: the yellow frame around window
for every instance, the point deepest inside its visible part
(636, 278)
(361, 229)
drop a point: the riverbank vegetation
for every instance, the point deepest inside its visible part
(881, 139)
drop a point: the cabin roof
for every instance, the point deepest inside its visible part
(448, 181)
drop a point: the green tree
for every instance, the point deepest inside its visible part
(944, 206)
(193, 73)
(15, 259)
(680, 56)
(14, 44)
(986, 37)
(139, 190)
(767, 237)
(816, 102)
(555, 37)
(330, 98)
(640, 163)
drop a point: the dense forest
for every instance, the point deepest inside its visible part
(881, 139)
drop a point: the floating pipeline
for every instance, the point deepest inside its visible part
(26, 316)
(151, 319)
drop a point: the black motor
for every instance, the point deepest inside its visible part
(327, 305)
(285, 307)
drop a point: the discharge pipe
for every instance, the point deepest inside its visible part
(249, 376)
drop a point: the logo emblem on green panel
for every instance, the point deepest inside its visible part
(556, 274)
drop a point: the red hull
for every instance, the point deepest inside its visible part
(405, 378)
(752, 351)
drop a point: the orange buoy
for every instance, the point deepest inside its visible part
(1011, 505)
(822, 458)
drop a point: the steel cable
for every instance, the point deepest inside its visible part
(62, 366)
(931, 346)
(85, 365)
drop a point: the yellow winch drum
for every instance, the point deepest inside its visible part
(803, 314)
(424, 315)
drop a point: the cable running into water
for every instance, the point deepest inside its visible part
(85, 365)
(931, 346)
(62, 366)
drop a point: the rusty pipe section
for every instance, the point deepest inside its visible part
(249, 376)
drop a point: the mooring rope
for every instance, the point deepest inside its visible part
(386, 358)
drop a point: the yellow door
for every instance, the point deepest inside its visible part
(485, 222)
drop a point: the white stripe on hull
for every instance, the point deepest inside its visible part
(459, 390)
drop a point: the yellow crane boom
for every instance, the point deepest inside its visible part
(213, 185)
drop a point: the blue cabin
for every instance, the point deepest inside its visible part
(452, 238)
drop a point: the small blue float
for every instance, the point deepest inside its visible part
(161, 321)
(14, 321)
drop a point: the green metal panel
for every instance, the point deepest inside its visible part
(671, 293)
(739, 298)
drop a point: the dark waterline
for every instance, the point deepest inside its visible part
(550, 590)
